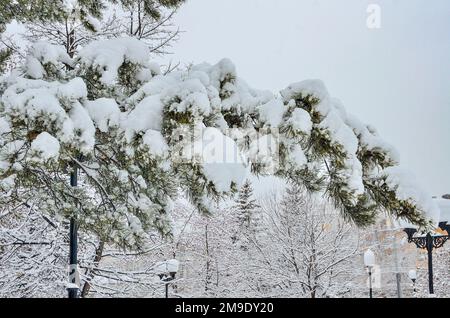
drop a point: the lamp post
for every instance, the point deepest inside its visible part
(412, 274)
(74, 279)
(166, 272)
(429, 242)
(369, 262)
(167, 278)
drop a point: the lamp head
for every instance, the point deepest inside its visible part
(412, 274)
(369, 258)
(410, 232)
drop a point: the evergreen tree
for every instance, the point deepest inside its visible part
(73, 24)
(246, 211)
(77, 22)
(4, 56)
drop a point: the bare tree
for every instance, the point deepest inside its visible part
(310, 247)
(32, 253)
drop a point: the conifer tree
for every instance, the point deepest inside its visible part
(246, 212)
(73, 23)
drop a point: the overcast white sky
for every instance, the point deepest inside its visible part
(396, 78)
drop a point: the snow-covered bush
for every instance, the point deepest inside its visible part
(137, 136)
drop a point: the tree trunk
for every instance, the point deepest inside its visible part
(97, 259)
(208, 261)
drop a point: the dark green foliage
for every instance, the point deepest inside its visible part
(386, 199)
(151, 7)
(246, 205)
(361, 209)
(4, 56)
(46, 11)
(246, 217)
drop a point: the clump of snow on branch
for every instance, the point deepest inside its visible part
(53, 106)
(107, 56)
(41, 54)
(104, 112)
(46, 146)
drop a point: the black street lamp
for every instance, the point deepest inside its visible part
(429, 242)
(167, 279)
(166, 272)
(74, 279)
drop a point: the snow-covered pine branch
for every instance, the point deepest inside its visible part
(127, 123)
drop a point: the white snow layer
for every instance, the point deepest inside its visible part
(156, 143)
(53, 104)
(104, 112)
(272, 112)
(46, 147)
(107, 56)
(300, 121)
(315, 88)
(42, 53)
(166, 267)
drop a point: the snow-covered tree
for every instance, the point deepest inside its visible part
(4, 56)
(308, 248)
(48, 12)
(74, 23)
(245, 212)
(32, 254)
(316, 240)
(149, 21)
(137, 136)
(151, 25)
